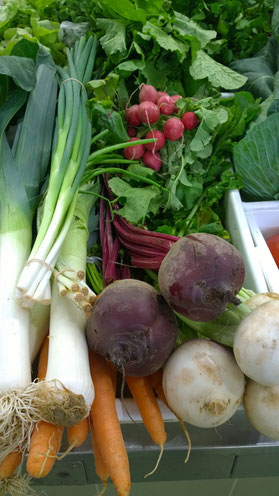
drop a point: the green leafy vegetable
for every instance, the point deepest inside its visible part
(256, 159)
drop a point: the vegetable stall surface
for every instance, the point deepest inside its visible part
(132, 326)
(202, 383)
(200, 275)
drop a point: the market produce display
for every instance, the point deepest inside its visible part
(123, 125)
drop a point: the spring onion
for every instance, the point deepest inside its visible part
(70, 153)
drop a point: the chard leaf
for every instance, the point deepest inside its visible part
(138, 202)
(256, 160)
(219, 75)
(186, 27)
(25, 48)
(114, 39)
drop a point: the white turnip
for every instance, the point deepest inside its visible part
(202, 383)
(261, 405)
(256, 344)
(200, 275)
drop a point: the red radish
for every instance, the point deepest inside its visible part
(165, 105)
(174, 99)
(173, 129)
(161, 93)
(148, 93)
(190, 120)
(154, 147)
(152, 160)
(134, 152)
(131, 131)
(132, 116)
(148, 112)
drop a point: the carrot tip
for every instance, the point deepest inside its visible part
(157, 463)
(103, 489)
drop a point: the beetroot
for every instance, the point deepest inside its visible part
(132, 116)
(152, 160)
(200, 275)
(155, 147)
(134, 152)
(148, 93)
(132, 325)
(148, 112)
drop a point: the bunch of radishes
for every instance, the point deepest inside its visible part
(155, 107)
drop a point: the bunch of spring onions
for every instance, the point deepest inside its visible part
(71, 149)
(23, 168)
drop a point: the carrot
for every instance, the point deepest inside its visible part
(42, 365)
(77, 435)
(150, 411)
(100, 466)
(9, 464)
(156, 383)
(46, 438)
(107, 426)
(44, 446)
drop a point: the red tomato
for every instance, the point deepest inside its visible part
(273, 245)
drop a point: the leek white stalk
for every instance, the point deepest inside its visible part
(68, 384)
(20, 183)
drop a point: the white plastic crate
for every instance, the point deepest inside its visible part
(250, 224)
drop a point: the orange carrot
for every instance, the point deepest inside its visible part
(9, 464)
(77, 435)
(44, 446)
(46, 438)
(100, 466)
(42, 365)
(156, 383)
(149, 410)
(107, 426)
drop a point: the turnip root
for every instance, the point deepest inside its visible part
(256, 344)
(200, 275)
(260, 298)
(261, 405)
(132, 325)
(202, 383)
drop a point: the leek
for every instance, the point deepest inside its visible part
(68, 384)
(20, 183)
